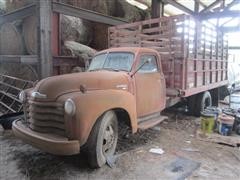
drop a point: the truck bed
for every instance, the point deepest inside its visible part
(193, 54)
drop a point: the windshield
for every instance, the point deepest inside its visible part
(117, 61)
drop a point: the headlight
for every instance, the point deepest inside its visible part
(70, 107)
(22, 96)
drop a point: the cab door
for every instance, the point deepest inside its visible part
(150, 86)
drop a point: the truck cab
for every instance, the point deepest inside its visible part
(123, 87)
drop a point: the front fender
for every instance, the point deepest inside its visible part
(92, 104)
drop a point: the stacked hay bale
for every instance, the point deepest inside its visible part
(78, 36)
(116, 8)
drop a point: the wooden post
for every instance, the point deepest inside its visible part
(157, 8)
(44, 13)
(196, 7)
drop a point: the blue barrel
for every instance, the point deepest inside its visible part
(225, 124)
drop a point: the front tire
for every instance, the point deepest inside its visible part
(102, 141)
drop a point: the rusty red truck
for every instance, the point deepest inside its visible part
(149, 66)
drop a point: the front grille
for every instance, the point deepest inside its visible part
(45, 117)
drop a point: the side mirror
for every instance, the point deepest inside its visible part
(145, 62)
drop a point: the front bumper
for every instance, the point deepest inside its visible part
(50, 143)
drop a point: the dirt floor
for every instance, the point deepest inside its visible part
(184, 157)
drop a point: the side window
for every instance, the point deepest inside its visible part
(148, 67)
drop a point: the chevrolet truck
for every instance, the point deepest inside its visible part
(149, 66)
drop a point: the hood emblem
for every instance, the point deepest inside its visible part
(122, 86)
(38, 95)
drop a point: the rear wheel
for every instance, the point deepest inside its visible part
(102, 141)
(204, 100)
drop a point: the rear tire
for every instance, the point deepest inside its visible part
(102, 141)
(204, 100)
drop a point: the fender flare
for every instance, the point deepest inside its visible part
(92, 104)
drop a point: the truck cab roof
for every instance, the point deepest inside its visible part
(129, 49)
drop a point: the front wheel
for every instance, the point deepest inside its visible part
(103, 138)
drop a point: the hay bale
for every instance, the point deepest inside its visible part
(11, 40)
(79, 50)
(129, 12)
(75, 29)
(30, 34)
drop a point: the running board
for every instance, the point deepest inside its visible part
(151, 122)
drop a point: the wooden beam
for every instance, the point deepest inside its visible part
(230, 29)
(44, 9)
(26, 59)
(179, 6)
(234, 47)
(85, 14)
(226, 22)
(221, 14)
(211, 6)
(18, 14)
(196, 6)
(67, 61)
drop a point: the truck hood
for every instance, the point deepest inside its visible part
(55, 86)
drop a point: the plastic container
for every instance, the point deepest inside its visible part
(225, 124)
(229, 111)
(215, 110)
(236, 115)
(207, 121)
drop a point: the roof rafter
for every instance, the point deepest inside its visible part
(179, 6)
(221, 14)
(211, 6)
(230, 29)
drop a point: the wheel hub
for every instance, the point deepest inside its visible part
(108, 139)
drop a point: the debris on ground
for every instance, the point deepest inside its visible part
(156, 151)
(111, 161)
(233, 140)
(156, 128)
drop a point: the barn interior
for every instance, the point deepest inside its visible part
(40, 39)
